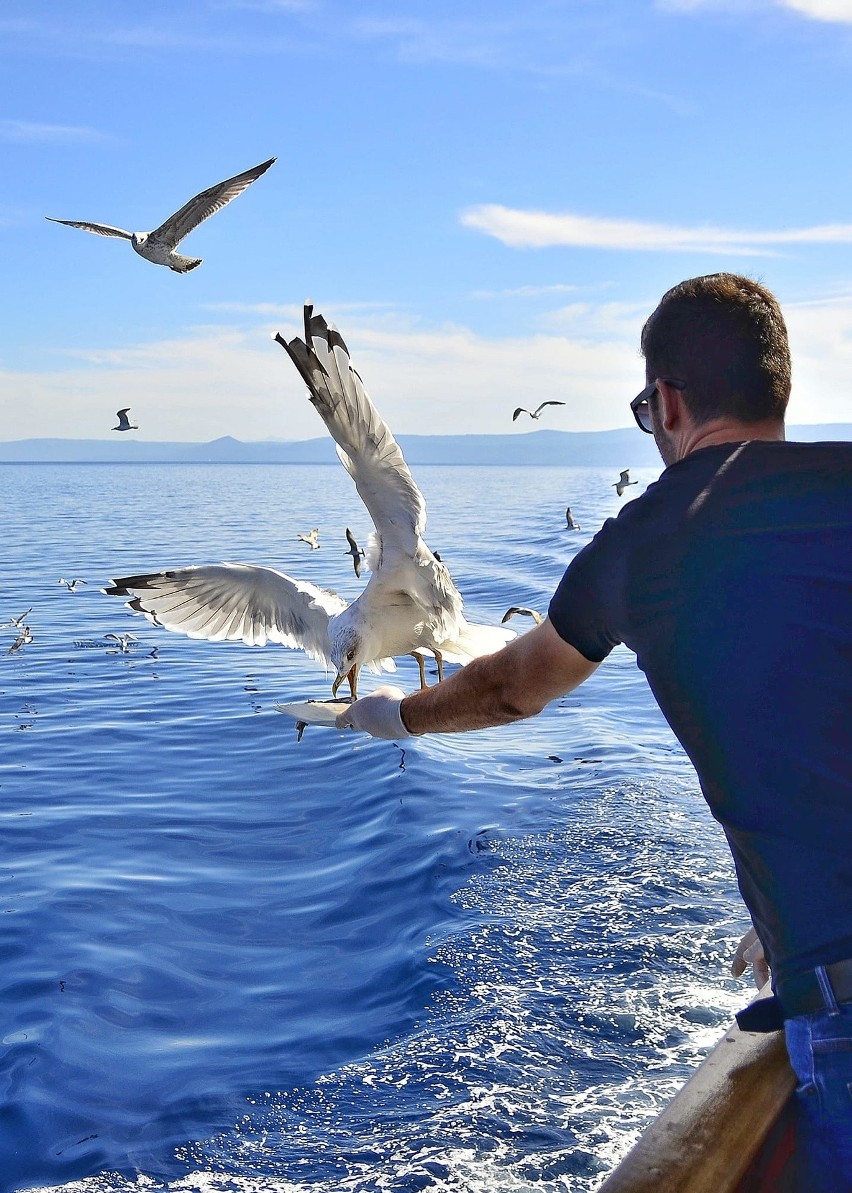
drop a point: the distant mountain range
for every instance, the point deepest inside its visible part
(623, 448)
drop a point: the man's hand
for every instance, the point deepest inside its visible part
(750, 952)
(377, 714)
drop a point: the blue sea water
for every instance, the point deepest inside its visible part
(232, 960)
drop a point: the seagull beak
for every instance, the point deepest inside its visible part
(352, 676)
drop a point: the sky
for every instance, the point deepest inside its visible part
(487, 198)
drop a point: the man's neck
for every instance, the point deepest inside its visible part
(719, 431)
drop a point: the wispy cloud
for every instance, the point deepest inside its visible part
(542, 229)
(741, 7)
(816, 10)
(526, 291)
(271, 6)
(460, 42)
(822, 10)
(33, 132)
(214, 381)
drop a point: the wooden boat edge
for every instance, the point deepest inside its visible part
(729, 1130)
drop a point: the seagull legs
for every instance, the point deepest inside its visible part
(419, 657)
(439, 659)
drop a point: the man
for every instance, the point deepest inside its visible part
(731, 579)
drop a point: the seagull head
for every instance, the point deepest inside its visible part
(138, 239)
(347, 654)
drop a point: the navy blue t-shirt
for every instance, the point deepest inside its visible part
(731, 579)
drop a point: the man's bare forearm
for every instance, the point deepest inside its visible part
(514, 683)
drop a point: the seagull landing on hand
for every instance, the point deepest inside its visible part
(534, 413)
(71, 585)
(311, 539)
(623, 482)
(355, 551)
(159, 246)
(124, 423)
(410, 602)
(524, 612)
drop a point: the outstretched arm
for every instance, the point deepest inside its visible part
(514, 683)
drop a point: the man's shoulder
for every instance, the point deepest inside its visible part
(735, 485)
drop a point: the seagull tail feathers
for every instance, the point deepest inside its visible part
(182, 264)
(473, 641)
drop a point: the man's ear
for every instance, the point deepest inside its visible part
(670, 408)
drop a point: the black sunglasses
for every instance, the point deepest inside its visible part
(641, 403)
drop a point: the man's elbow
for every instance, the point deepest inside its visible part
(520, 705)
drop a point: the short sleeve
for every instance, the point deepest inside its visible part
(587, 606)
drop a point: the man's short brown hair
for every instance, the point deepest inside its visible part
(724, 335)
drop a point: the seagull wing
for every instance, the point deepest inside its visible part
(365, 445)
(98, 229)
(542, 406)
(519, 410)
(235, 601)
(172, 231)
(625, 476)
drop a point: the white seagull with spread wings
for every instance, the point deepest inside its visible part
(623, 482)
(410, 604)
(534, 413)
(159, 246)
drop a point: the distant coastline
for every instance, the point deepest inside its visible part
(621, 448)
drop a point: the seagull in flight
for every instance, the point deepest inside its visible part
(123, 641)
(312, 539)
(355, 551)
(16, 623)
(524, 612)
(534, 413)
(159, 246)
(71, 585)
(23, 638)
(410, 603)
(124, 423)
(623, 482)
(571, 522)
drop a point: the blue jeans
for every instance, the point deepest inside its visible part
(820, 1048)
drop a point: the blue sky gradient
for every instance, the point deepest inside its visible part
(487, 198)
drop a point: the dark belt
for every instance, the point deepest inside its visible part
(799, 995)
(802, 994)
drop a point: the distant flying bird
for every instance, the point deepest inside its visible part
(16, 622)
(623, 482)
(410, 602)
(570, 521)
(124, 423)
(71, 584)
(534, 413)
(524, 612)
(123, 641)
(312, 539)
(355, 551)
(159, 246)
(23, 638)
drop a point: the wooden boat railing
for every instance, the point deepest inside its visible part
(729, 1130)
